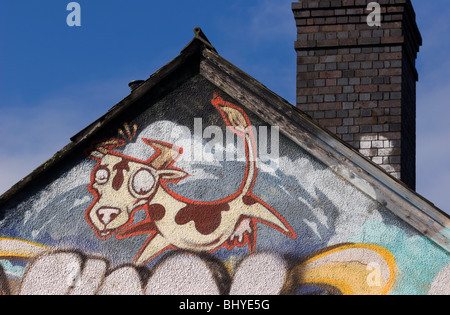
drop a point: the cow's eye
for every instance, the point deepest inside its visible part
(101, 176)
(143, 182)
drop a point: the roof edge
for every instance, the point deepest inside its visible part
(200, 36)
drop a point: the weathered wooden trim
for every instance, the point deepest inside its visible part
(336, 154)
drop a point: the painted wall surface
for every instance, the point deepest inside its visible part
(198, 196)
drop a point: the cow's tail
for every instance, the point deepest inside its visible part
(238, 122)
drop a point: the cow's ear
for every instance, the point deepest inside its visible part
(169, 174)
(99, 150)
(96, 154)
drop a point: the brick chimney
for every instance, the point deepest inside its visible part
(359, 81)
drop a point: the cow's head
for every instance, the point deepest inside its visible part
(122, 184)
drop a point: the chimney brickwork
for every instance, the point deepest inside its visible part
(359, 81)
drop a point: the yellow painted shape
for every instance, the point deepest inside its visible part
(351, 276)
(10, 247)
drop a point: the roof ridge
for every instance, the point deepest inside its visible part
(200, 36)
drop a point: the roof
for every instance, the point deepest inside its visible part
(200, 57)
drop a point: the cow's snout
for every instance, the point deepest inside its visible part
(107, 214)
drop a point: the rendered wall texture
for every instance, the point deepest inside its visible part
(196, 195)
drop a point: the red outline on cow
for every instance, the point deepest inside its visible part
(123, 185)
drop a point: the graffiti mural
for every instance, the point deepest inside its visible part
(185, 198)
(342, 269)
(174, 221)
(349, 269)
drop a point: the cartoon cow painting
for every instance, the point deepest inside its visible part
(122, 185)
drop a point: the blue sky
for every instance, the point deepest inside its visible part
(55, 79)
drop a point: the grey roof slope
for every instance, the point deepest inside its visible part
(200, 57)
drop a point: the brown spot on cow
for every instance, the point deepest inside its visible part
(207, 218)
(119, 178)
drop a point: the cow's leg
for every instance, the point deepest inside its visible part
(154, 246)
